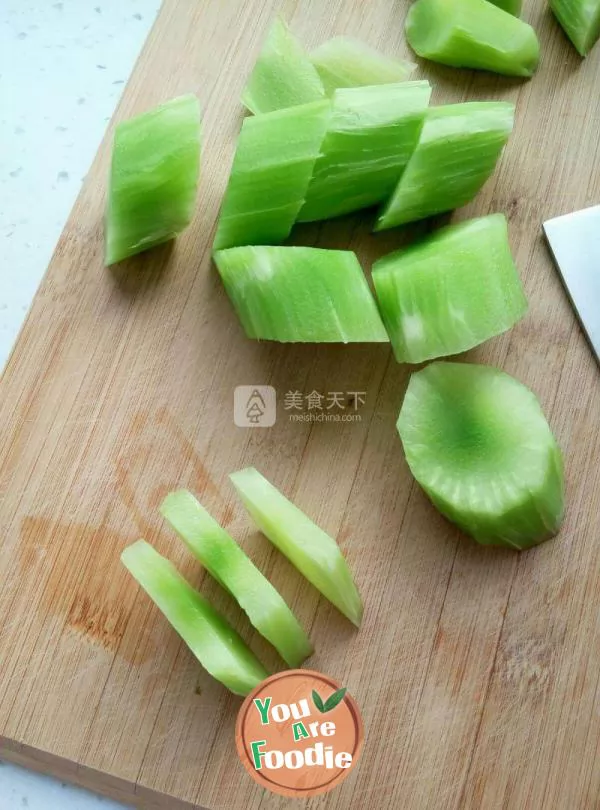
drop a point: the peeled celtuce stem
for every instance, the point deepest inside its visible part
(347, 62)
(580, 20)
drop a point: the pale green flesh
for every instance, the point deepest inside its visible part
(153, 178)
(298, 294)
(472, 34)
(580, 20)
(458, 150)
(227, 563)
(511, 6)
(372, 134)
(214, 643)
(347, 62)
(273, 164)
(283, 75)
(313, 552)
(451, 291)
(478, 443)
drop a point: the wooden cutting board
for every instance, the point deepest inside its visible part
(476, 670)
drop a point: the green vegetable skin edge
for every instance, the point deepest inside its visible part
(313, 552)
(153, 178)
(227, 563)
(214, 643)
(472, 34)
(300, 295)
(272, 167)
(372, 133)
(580, 20)
(458, 150)
(347, 62)
(451, 291)
(478, 443)
(511, 6)
(283, 75)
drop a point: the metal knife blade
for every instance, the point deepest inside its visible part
(574, 240)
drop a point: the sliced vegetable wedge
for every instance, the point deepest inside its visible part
(580, 20)
(347, 62)
(214, 643)
(472, 34)
(451, 291)
(272, 167)
(300, 295)
(227, 563)
(458, 150)
(478, 443)
(314, 553)
(372, 134)
(511, 6)
(153, 178)
(283, 75)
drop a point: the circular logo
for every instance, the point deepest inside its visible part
(299, 733)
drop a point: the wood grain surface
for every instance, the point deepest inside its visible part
(477, 671)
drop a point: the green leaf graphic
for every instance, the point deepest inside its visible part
(333, 700)
(317, 700)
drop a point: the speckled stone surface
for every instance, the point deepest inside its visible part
(63, 66)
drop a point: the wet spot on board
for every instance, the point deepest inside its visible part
(81, 579)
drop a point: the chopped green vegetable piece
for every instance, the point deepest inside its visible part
(153, 178)
(300, 295)
(314, 553)
(511, 6)
(273, 164)
(214, 643)
(580, 20)
(451, 291)
(227, 563)
(371, 136)
(458, 150)
(346, 62)
(283, 75)
(472, 34)
(478, 443)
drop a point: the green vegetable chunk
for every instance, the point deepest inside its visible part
(478, 443)
(300, 295)
(314, 553)
(472, 34)
(227, 563)
(371, 136)
(451, 291)
(580, 20)
(153, 178)
(458, 151)
(214, 643)
(283, 75)
(346, 62)
(272, 167)
(511, 6)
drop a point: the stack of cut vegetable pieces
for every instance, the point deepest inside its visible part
(212, 640)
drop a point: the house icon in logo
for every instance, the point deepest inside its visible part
(255, 407)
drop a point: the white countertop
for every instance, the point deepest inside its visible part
(63, 66)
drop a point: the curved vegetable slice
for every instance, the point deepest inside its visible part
(478, 443)
(511, 6)
(314, 553)
(371, 136)
(300, 295)
(458, 150)
(272, 167)
(283, 75)
(580, 20)
(227, 563)
(347, 62)
(472, 34)
(153, 178)
(451, 291)
(214, 643)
